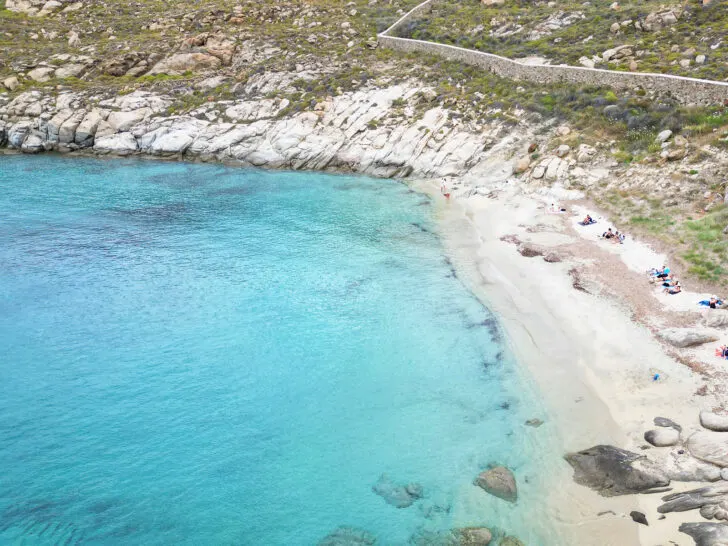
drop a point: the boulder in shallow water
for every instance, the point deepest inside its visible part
(612, 471)
(400, 496)
(348, 536)
(662, 437)
(499, 482)
(713, 421)
(511, 541)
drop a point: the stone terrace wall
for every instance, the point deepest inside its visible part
(685, 90)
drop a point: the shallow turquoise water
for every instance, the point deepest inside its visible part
(194, 354)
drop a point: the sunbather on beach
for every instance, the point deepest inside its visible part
(608, 234)
(664, 273)
(670, 281)
(714, 302)
(674, 289)
(588, 220)
(722, 351)
(621, 238)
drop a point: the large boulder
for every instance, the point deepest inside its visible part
(348, 536)
(17, 133)
(180, 63)
(686, 337)
(33, 144)
(466, 536)
(716, 318)
(400, 496)
(612, 471)
(711, 447)
(86, 130)
(500, 482)
(119, 144)
(713, 421)
(663, 437)
(706, 534)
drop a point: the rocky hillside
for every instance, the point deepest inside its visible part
(304, 85)
(684, 38)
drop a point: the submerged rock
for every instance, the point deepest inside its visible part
(706, 534)
(612, 471)
(466, 536)
(499, 482)
(511, 541)
(348, 536)
(400, 496)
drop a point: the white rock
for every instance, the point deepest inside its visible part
(682, 467)
(664, 136)
(700, 59)
(686, 337)
(563, 150)
(121, 144)
(32, 145)
(11, 83)
(73, 39)
(715, 422)
(716, 318)
(41, 74)
(70, 70)
(86, 130)
(123, 121)
(586, 61)
(711, 447)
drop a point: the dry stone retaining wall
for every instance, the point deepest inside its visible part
(685, 90)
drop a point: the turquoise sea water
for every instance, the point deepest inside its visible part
(195, 354)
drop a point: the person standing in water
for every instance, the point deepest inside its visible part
(443, 189)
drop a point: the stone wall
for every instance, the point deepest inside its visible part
(685, 90)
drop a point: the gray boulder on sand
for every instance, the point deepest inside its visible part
(638, 517)
(612, 471)
(400, 496)
(348, 536)
(499, 482)
(665, 422)
(713, 421)
(686, 337)
(706, 534)
(711, 447)
(662, 437)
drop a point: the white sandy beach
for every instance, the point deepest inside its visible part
(594, 365)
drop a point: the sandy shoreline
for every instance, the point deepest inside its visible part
(591, 359)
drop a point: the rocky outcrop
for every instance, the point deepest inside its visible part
(712, 502)
(706, 534)
(680, 466)
(612, 471)
(180, 63)
(499, 482)
(400, 496)
(348, 536)
(465, 536)
(343, 133)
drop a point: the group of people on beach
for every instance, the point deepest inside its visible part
(665, 277)
(614, 236)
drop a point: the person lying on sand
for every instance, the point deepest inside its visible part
(587, 221)
(662, 273)
(608, 234)
(621, 237)
(674, 289)
(714, 302)
(670, 281)
(722, 351)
